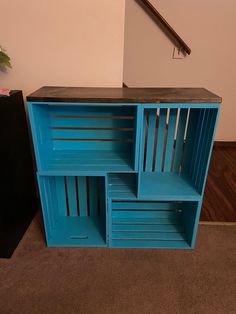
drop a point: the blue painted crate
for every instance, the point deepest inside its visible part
(175, 151)
(70, 139)
(151, 224)
(74, 210)
(143, 164)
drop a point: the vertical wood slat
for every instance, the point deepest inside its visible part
(82, 196)
(180, 139)
(46, 204)
(137, 137)
(170, 139)
(206, 149)
(61, 196)
(202, 145)
(93, 196)
(71, 193)
(160, 139)
(198, 142)
(142, 141)
(102, 196)
(192, 162)
(190, 139)
(150, 139)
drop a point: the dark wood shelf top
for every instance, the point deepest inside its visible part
(123, 95)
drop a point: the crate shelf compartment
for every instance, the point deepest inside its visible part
(74, 210)
(122, 186)
(167, 186)
(83, 138)
(175, 151)
(152, 224)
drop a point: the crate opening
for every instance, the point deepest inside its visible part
(75, 210)
(122, 185)
(176, 144)
(152, 224)
(78, 137)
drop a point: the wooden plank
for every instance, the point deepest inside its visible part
(82, 196)
(148, 236)
(61, 196)
(106, 96)
(145, 205)
(170, 139)
(92, 134)
(160, 139)
(90, 122)
(93, 196)
(190, 139)
(171, 214)
(71, 193)
(150, 139)
(180, 140)
(84, 111)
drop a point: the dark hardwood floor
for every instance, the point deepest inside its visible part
(219, 202)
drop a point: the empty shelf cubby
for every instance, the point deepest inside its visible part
(75, 138)
(175, 151)
(74, 210)
(122, 186)
(153, 224)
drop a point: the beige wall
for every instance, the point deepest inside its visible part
(65, 42)
(209, 27)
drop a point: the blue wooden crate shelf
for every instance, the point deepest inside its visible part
(153, 224)
(70, 139)
(119, 170)
(74, 210)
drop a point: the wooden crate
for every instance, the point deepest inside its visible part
(150, 159)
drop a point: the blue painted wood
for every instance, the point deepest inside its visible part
(61, 195)
(160, 139)
(180, 140)
(96, 178)
(71, 193)
(82, 196)
(93, 196)
(190, 140)
(150, 139)
(170, 140)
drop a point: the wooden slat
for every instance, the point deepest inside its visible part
(61, 196)
(91, 122)
(190, 139)
(148, 228)
(102, 196)
(84, 111)
(146, 205)
(206, 149)
(149, 236)
(180, 140)
(170, 139)
(160, 139)
(197, 147)
(82, 196)
(71, 193)
(92, 134)
(93, 196)
(116, 214)
(150, 139)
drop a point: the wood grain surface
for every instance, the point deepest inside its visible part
(219, 202)
(124, 95)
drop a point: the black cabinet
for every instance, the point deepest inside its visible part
(17, 191)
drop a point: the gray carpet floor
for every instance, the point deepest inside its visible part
(42, 280)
